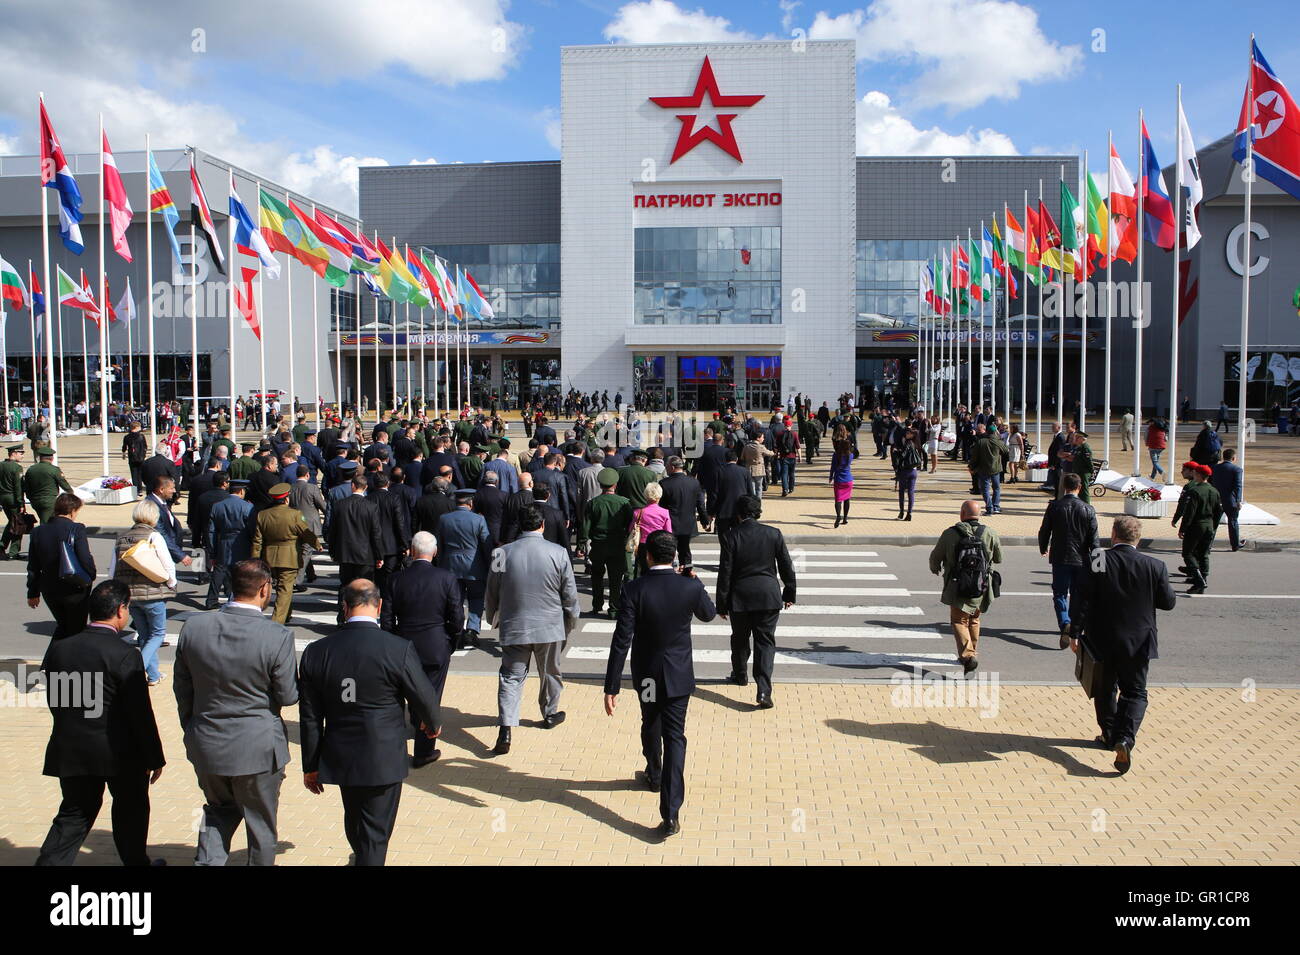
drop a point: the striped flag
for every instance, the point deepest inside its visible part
(201, 217)
(76, 296)
(12, 289)
(57, 174)
(119, 206)
(245, 303)
(248, 237)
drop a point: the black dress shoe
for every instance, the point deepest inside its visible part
(970, 664)
(669, 827)
(737, 679)
(554, 720)
(765, 703)
(503, 742)
(1123, 756)
(468, 640)
(651, 783)
(1103, 742)
(418, 761)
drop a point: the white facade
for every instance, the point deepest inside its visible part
(797, 148)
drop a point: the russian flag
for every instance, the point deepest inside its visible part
(1158, 222)
(57, 174)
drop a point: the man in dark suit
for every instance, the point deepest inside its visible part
(104, 733)
(158, 466)
(427, 612)
(197, 517)
(355, 541)
(1122, 590)
(713, 456)
(163, 492)
(357, 739)
(752, 556)
(490, 501)
(436, 501)
(515, 505)
(683, 498)
(654, 621)
(733, 484)
(564, 496)
(554, 529)
(544, 434)
(394, 536)
(1227, 480)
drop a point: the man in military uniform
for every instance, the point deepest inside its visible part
(1081, 463)
(43, 482)
(244, 466)
(11, 498)
(1200, 509)
(633, 478)
(471, 468)
(278, 538)
(605, 523)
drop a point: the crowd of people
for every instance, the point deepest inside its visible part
(443, 526)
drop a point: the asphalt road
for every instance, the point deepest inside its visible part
(869, 612)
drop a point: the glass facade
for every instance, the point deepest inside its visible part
(529, 379)
(704, 381)
(173, 378)
(520, 281)
(708, 276)
(1269, 378)
(888, 278)
(649, 375)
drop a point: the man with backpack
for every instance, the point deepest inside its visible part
(964, 556)
(786, 445)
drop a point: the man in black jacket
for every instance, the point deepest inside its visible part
(654, 621)
(733, 484)
(355, 541)
(135, 449)
(515, 505)
(753, 556)
(157, 467)
(427, 612)
(1120, 594)
(683, 498)
(1067, 538)
(490, 501)
(357, 739)
(434, 502)
(104, 733)
(713, 457)
(394, 539)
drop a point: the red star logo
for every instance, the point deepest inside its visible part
(689, 137)
(1267, 118)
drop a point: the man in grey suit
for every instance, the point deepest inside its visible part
(532, 600)
(235, 670)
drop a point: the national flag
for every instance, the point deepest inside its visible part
(337, 253)
(1002, 258)
(428, 281)
(1049, 242)
(365, 257)
(249, 239)
(126, 312)
(415, 293)
(1273, 121)
(106, 299)
(245, 302)
(1098, 224)
(1191, 181)
(978, 284)
(391, 279)
(467, 301)
(927, 283)
(423, 296)
(57, 174)
(1159, 222)
(119, 206)
(1123, 210)
(485, 309)
(12, 289)
(160, 202)
(446, 287)
(284, 233)
(37, 295)
(201, 218)
(76, 296)
(1015, 242)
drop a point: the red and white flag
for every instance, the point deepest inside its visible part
(119, 206)
(245, 303)
(1123, 210)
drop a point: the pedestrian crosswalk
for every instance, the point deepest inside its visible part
(853, 619)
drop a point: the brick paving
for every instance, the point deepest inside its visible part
(835, 774)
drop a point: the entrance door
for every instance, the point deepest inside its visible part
(706, 397)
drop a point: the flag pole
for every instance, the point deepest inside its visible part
(31, 332)
(410, 399)
(194, 306)
(103, 316)
(1083, 302)
(63, 382)
(148, 272)
(377, 341)
(288, 287)
(1173, 334)
(51, 304)
(393, 325)
(356, 391)
(1024, 332)
(4, 358)
(1060, 341)
(1006, 314)
(85, 362)
(1140, 308)
(230, 295)
(1038, 377)
(261, 325)
(993, 384)
(315, 341)
(1243, 370)
(1110, 293)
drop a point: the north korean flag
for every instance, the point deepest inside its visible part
(1273, 123)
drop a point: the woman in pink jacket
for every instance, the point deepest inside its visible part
(649, 519)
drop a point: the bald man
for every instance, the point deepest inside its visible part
(964, 556)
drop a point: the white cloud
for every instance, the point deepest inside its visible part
(550, 120)
(139, 67)
(788, 8)
(422, 162)
(883, 131)
(969, 51)
(662, 21)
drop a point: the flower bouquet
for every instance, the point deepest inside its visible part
(1144, 502)
(1143, 494)
(114, 483)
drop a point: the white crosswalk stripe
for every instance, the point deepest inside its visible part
(838, 658)
(865, 632)
(703, 574)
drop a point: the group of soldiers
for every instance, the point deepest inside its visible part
(40, 484)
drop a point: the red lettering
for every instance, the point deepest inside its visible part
(776, 198)
(728, 199)
(710, 198)
(638, 202)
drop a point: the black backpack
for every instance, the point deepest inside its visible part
(971, 566)
(785, 442)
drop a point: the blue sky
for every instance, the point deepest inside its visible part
(302, 91)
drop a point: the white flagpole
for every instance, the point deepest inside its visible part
(993, 384)
(288, 286)
(103, 316)
(1110, 295)
(31, 331)
(377, 342)
(1060, 341)
(51, 305)
(1006, 314)
(1243, 369)
(1083, 302)
(148, 272)
(409, 394)
(194, 309)
(63, 381)
(1024, 331)
(4, 361)
(1140, 308)
(424, 368)
(1173, 334)
(1038, 378)
(85, 361)
(230, 296)
(261, 320)
(446, 361)
(315, 341)
(356, 391)
(972, 374)
(393, 323)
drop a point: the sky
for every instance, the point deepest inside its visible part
(303, 91)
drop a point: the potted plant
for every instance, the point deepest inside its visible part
(1144, 502)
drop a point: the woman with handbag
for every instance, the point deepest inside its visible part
(142, 562)
(60, 568)
(647, 520)
(841, 474)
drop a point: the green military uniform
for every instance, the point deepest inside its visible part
(11, 499)
(42, 484)
(471, 468)
(1081, 464)
(462, 430)
(229, 445)
(280, 533)
(1200, 509)
(300, 432)
(604, 523)
(632, 481)
(243, 468)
